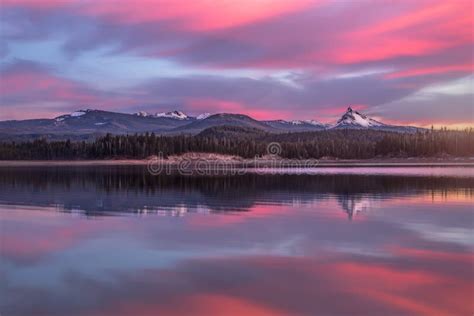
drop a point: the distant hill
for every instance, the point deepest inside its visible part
(88, 124)
(84, 124)
(225, 119)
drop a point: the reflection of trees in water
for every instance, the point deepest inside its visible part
(110, 189)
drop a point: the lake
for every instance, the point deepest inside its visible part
(332, 241)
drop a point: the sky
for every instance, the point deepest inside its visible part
(403, 62)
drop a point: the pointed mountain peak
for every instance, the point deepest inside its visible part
(354, 119)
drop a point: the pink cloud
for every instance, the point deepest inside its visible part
(41, 4)
(198, 304)
(200, 15)
(413, 43)
(463, 68)
(29, 88)
(422, 30)
(32, 82)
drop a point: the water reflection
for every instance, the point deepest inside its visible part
(247, 245)
(106, 190)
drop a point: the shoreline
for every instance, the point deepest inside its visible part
(251, 163)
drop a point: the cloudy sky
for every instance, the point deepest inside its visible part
(407, 62)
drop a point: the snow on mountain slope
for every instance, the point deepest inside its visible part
(203, 116)
(87, 123)
(296, 122)
(296, 125)
(173, 114)
(179, 115)
(142, 114)
(78, 113)
(75, 114)
(310, 122)
(354, 119)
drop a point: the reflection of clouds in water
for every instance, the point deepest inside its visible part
(299, 266)
(438, 233)
(447, 220)
(331, 285)
(359, 248)
(279, 242)
(134, 255)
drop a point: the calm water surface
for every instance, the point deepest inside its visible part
(118, 241)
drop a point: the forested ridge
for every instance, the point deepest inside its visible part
(248, 143)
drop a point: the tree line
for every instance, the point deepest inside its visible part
(343, 144)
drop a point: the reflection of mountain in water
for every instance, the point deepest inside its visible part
(353, 204)
(100, 190)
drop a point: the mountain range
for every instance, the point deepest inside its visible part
(87, 124)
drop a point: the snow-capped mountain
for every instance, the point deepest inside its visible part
(173, 114)
(90, 123)
(179, 115)
(354, 119)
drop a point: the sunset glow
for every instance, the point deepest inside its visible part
(267, 59)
